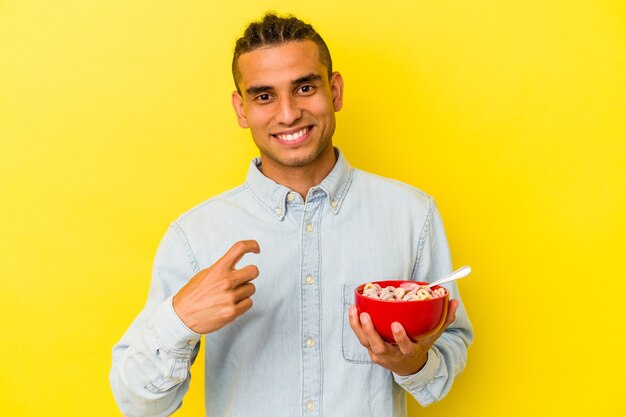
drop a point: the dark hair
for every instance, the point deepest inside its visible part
(274, 30)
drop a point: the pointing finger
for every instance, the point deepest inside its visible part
(237, 251)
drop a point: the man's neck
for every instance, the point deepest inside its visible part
(302, 178)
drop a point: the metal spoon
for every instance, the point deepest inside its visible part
(462, 272)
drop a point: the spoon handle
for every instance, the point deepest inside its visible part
(462, 272)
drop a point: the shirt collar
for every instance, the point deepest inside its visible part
(274, 196)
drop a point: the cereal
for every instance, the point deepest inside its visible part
(408, 291)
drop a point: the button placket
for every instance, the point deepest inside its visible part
(311, 308)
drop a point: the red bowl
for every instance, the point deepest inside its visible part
(420, 318)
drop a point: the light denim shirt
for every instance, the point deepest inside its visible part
(293, 353)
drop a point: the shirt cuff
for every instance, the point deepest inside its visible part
(172, 334)
(416, 384)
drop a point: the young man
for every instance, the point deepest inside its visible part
(302, 232)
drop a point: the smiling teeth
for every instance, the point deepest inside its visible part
(293, 136)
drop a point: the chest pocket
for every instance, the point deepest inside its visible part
(351, 348)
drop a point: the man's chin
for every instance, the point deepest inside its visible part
(297, 157)
(293, 159)
(297, 161)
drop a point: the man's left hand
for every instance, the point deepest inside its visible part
(405, 357)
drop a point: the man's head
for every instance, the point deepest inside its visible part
(273, 30)
(287, 96)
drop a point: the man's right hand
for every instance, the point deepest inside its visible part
(216, 296)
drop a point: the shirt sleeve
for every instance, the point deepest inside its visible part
(150, 370)
(447, 357)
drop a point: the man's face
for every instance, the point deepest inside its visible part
(288, 103)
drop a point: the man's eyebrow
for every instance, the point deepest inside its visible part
(307, 79)
(257, 89)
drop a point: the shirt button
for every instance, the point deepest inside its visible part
(309, 227)
(310, 342)
(278, 210)
(310, 405)
(291, 196)
(333, 204)
(192, 342)
(309, 279)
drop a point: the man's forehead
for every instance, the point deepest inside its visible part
(282, 63)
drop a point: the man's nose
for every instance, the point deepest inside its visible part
(288, 111)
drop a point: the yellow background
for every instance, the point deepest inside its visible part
(115, 118)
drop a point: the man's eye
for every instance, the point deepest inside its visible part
(263, 97)
(306, 89)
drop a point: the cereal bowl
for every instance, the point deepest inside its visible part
(420, 318)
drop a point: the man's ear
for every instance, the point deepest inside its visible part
(336, 87)
(237, 102)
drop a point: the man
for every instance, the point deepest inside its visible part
(298, 237)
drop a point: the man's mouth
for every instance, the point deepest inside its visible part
(293, 137)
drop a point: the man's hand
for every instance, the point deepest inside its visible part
(216, 296)
(405, 358)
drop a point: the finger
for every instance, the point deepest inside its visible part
(242, 306)
(355, 324)
(236, 252)
(453, 305)
(376, 343)
(244, 291)
(245, 274)
(402, 339)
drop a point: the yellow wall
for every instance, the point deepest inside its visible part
(115, 118)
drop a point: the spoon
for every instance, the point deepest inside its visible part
(462, 272)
